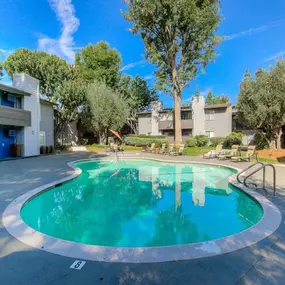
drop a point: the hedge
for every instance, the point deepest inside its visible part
(260, 141)
(146, 137)
(216, 141)
(233, 138)
(145, 140)
(191, 142)
(202, 140)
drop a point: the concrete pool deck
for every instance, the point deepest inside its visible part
(262, 263)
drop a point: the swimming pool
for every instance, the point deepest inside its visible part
(143, 203)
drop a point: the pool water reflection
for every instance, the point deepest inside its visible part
(143, 203)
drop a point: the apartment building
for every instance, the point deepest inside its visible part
(25, 118)
(200, 119)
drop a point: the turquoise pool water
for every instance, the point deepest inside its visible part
(143, 203)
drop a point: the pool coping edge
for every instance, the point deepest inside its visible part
(20, 230)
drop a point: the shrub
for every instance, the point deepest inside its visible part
(51, 149)
(281, 159)
(42, 149)
(147, 137)
(201, 140)
(62, 147)
(191, 142)
(216, 140)
(83, 141)
(260, 141)
(233, 138)
(145, 140)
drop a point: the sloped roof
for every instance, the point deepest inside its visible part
(14, 90)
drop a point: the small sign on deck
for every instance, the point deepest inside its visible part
(77, 264)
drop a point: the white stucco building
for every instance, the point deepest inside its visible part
(25, 118)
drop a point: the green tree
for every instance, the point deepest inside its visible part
(99, 62)
(186, 105)
(1, 70)
(138, 96)
(212, 99)
(261, 102)
(105, 110)
(69, 96)
(49, 69)
(179, 38)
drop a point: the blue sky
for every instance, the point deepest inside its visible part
(255, 33)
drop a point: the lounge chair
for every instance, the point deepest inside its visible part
(169, 149)
(162, 149)
(214, 153)
(230, 154)
(151, 148)
(180, 150)
(247, 157)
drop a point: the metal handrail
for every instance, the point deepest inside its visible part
(274, 177)
(247, 170)
(262, 167)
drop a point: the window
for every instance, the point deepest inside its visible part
(186, 115)
(210, 115)
(168, 133)
(210, 134)
(18, 103)
(186, 133)
(42, 138)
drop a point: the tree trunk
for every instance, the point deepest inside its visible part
(107, 135)
(177, 118)
(178, 188)
(101, 136)
(278, 136)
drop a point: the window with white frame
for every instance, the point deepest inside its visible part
(42, 138)
(210, 115)
(210, 134)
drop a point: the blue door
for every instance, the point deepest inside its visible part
(5, 142)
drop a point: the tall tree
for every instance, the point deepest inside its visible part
(1, 70)
(104, 110)
(261, 102)
(213, 99)
(138, 96)
(179, 38)
(70, 97)
(99, 62)
(49, 69)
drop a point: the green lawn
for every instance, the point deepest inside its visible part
(197, 151)
(101, 148)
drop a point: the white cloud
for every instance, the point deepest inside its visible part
(64, 45)
(133, 64)
(5, 52)
(252, 31)
(276, 56)
(149, 77)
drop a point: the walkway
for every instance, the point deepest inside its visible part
(262, 263)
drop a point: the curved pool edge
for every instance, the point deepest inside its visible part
(20, 230)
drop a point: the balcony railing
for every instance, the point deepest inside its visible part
(14, 117)
(169, 125)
